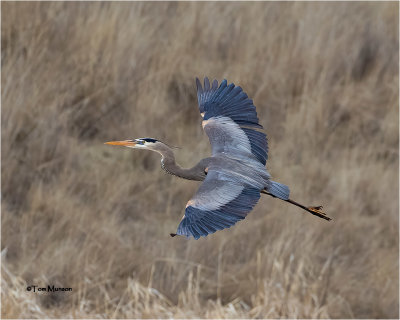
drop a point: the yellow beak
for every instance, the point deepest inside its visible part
(122, 143)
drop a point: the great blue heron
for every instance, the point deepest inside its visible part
(235, 174)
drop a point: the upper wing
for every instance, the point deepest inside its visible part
(220, 202)
(230, 120)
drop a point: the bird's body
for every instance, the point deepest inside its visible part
(235, 174)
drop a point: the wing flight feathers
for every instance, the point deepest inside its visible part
(231, 103)
(219, 203)
(236, 174)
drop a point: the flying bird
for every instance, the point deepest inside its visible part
(234, 176)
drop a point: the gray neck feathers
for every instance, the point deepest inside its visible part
(170, 166)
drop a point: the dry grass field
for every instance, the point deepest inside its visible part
(77, 213)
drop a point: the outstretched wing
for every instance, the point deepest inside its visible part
(230, 120)
(221, 201)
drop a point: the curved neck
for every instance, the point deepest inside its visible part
(170, 166)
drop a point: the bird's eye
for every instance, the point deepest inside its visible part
(140, 142)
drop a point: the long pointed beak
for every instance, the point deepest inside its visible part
(122, 143)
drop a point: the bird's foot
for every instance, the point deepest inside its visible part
(318, 211)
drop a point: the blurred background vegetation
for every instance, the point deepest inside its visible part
(77, 213)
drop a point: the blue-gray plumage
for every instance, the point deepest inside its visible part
(235, 174)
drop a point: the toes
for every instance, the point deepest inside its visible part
(317, 210)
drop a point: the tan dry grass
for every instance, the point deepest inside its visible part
(76, 213)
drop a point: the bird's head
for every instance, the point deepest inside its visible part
(141, 143)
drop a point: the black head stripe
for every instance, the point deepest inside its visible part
(149, 140)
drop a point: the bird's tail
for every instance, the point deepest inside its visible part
(278, 190)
